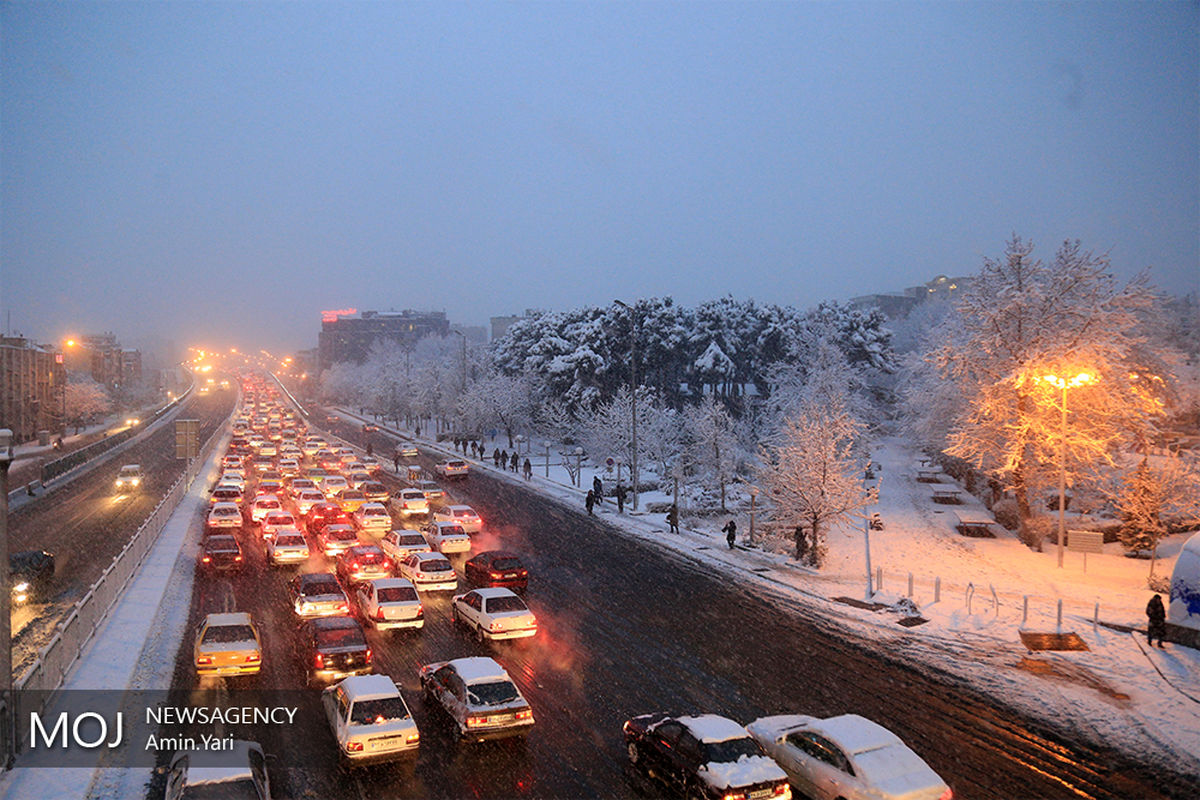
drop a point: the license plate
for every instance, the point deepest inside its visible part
(498, 718)
(511, 575)
(761, 793)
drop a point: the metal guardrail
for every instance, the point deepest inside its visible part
(52, 469)
(55, 660)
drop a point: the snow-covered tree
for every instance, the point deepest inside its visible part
(713, 449)
(1163, 486)
(502, 401)
(985, 387)
(608, 430)
(552, 419)
(812, 471)
(84, 400)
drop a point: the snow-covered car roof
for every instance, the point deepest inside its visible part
(234, 618)
(369, 687)
(497, 591)
(746, 771)
(225, 507)
(460, 509)
(210, 766)
(712, 728)
(374, 508)
(391, 583)
(478, 668)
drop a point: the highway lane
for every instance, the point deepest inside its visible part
(626, 629)
(85, 523)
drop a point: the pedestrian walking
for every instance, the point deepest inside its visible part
(730, 531)
(590, 501)
(396, 461)
(1156, 613)
(528, 469)
(496, 456)
(598, 488)
(370, 450)
(516, 462)
(673, 518)
(619, 492)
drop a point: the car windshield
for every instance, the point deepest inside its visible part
(221, 544)
(341, 535)
(435, 565)
(353, 495)
(450, 530)
(267, 504)
(498, 605)
(731, 750)
(223, 634)
(226, 512)
(412, 540)
(412, 494)
(492, 694)
(464, 512)
(382, 709)
(289, 540)
(323, 587)
(340, 637)
(506, 563)
(374, 512)
(397, 594)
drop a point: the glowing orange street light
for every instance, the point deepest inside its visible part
(1082, 379)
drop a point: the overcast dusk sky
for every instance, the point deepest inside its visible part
(219, 173)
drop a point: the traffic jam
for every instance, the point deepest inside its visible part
(370, 560)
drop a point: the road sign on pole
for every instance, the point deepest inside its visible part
(187, 438)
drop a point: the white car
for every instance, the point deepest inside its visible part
(336, 538)
(454, 468)
(225, 515)
(289, 467)
(463, 516)
(357, 477)
(277, 521)
(410, 502)
(447, 537)
(306, 499)
(369, 720)
(494, 614)
(287, 546)
(130, 477)
(429, 572)
(479, 697)
(389, 603)
(332, 484)
(233, 478)
(373, 517)
(400, 543)
(847, 757)
(408, 451)
(263, 505)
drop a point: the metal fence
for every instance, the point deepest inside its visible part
(55, 660)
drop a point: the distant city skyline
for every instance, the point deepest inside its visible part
(222, 173)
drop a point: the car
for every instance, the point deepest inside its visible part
(349, 500)
(402, 542)
(332, 484)
(316, 475)
(497, 568)
(289, 467)
(268, 449)
(376, 492)
(239, 771)
(221, 552)
(433, 493)
(129, 478)
(294, 485)
(227, 644)
(336, 538)
(429, 572)
(453, 468)
(287, 546)
(227, 493)
(462, 516)
(370, 427)
(333, 648)
(306, 499)
(703, 756)
(357, 477)
(494, 614)
(370, 721)
(321, 511)
(389, 603)
(233, 477)
(408, 450)
(848, 757)
(224, 515)
(317, 594)
(479, 697)
(328, 461)
(264, 504)
(269, 486)
(373, 517)
(277, 521)
(363, 561)
(30, 575)
(231, 460)
(371, 463)
(410, 503)
(262, 463)
(447, 537)
(311, 446)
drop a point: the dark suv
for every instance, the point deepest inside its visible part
(220, 553)
(334, 648)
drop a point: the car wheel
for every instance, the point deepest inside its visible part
(479, 637)
(634, 754)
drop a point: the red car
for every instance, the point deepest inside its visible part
(322, 514)
(497, 568)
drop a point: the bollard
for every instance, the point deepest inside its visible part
(1095, 617)
(1060, 614)
(879, 579)
(1025, 612)
(910, 584)
(937, 589)
(995, 600)
(970, 595)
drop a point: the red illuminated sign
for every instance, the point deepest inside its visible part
(332, 316)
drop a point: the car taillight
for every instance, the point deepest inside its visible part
(526, 714)
(237, 558)
(319, 661)
(420, 611)
(355, 747)
(368, 655)
(386, 564)
(497, 576)
(476, 721)
(354, 565)
(206, 559)
(413, 738)
(947, 795)
(495, 626)
(734, 796)
(204, 660)
(782, 789)
(379, 613)
(253, 658)
(342, 607)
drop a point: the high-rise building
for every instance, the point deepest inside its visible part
(349, 336)
(33, 383)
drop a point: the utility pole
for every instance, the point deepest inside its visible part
(633, 466)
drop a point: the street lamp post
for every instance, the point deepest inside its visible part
(578, 466)
(547, 443)
(7, 726)
(1082, 379)
(633, 465)
(753, 497)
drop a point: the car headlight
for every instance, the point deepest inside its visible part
(21, 587)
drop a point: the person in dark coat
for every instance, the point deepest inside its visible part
(673, 519)
(496, 456)
(1156, 613)
(528, 469)
(590, 501)
(370, 450)
(619, 492)
(598, 488)
(396, 461)
(516, 462)
(730, 531)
